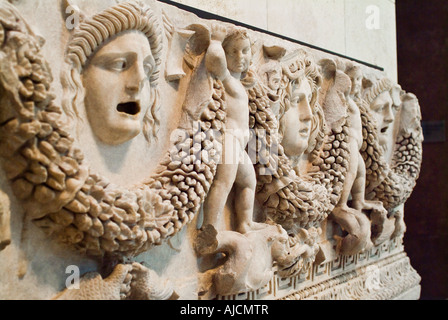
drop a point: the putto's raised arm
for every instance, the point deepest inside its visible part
(215, 58)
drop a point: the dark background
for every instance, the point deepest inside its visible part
(422, 42)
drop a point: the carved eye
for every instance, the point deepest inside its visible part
(377, 108)
(295, 101)
(118, 64)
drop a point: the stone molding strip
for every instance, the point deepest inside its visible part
(208, 15)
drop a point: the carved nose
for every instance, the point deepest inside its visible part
(389, 116)
(136, 80)
(133, 88)
(305, 112)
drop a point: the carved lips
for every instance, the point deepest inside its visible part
(131, 108)
(384, 129)
(305, 130)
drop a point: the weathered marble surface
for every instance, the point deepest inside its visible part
(165, 156)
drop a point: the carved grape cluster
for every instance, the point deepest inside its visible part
(371, 153)
(403, 173)
(39, 157)
(333, 161)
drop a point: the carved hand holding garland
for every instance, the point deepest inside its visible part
(298, 190)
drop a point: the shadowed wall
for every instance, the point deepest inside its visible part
(422, 36)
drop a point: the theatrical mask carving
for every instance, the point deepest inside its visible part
(410, 115)
(125, 58)
(399, 176)
(124, 64)
(380, 182)
(297, 120)
(53, 180)
(382, 108)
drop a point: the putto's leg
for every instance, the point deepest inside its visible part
(222, 185)
(246, 182)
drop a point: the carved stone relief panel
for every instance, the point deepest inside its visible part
(194, 159)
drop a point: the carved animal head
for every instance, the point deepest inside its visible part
(303, 248)
(279, 244)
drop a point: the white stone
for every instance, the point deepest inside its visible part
(155, 212)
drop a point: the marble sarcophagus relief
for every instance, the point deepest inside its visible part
(164, 156)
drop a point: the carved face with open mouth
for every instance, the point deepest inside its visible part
(117, 87)
(382, 111)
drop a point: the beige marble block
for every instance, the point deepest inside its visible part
(149, 154)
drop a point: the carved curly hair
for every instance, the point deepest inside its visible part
(301, 68)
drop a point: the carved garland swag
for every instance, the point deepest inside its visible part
(48, 172)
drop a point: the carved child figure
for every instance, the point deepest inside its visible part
(358, 190)
(227, 59)
(359, 202)
(337, 98)
(351, 216)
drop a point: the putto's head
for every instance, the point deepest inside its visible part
(355, 74)
(238, 48)
(115, 58)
